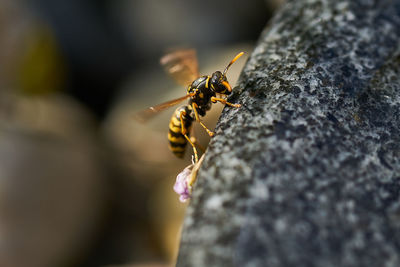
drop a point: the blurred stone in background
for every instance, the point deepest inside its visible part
(82, 183)
(32, 60)
(52, 183)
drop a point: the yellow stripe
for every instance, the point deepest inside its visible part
(227, 86)
(208, 79)
(179, 140)
(175, 129)
(176, 148)
(176, 121)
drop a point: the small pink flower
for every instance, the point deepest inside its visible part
(186, 179)
(181, 186)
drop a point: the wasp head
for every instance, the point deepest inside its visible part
(220, 84)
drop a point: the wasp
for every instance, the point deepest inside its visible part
(202, 91)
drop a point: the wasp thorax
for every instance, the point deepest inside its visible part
(219, 83)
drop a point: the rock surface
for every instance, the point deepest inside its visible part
(307, 172)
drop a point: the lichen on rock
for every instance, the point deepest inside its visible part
(307, 171)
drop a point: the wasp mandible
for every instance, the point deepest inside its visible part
(202, 91)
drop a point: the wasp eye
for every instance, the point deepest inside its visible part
(216, 77)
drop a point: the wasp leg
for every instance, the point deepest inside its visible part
(223, 101)
(197, 144)
(184, 131)
(195, 170)
(195, 106)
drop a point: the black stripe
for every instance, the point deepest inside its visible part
(188, 124)
(174, 134)
(177, 144)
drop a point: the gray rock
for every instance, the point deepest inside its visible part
(307, 172)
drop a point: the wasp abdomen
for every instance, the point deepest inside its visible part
(177, 141)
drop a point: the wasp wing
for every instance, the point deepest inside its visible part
(148, 113)
(181, 65)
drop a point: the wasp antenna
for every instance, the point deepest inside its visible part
(233, 61)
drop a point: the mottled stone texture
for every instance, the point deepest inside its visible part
(307, 172)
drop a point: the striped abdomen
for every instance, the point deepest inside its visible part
(177, 142)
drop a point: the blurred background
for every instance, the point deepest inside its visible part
(81, 182)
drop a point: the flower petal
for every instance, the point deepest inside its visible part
(181, 186)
